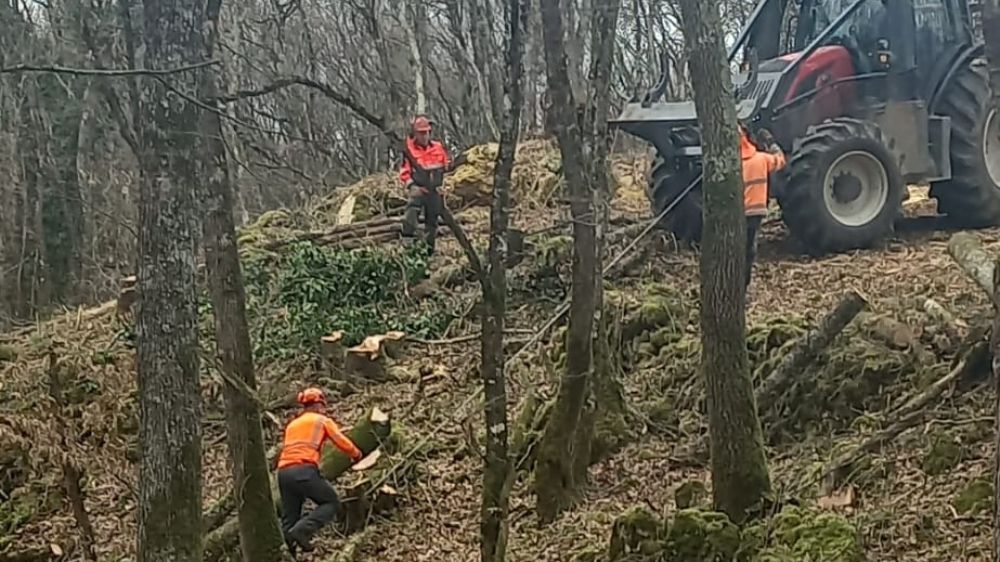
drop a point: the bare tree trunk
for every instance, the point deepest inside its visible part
(608, 392)
(167, 359)
(739, 471)
(260, 533)
(496, 473)
(416, 36)
(555, 480)
(995, 353)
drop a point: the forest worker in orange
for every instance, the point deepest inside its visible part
(298, 470)
(425, 161)
(757, 166)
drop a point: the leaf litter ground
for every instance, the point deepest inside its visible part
(901, 511)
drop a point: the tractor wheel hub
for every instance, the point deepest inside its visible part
(991, 146)
(856, 188)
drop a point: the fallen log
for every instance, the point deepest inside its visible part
(368, 435)
(968, 252)
(909, 415)
(808, 348)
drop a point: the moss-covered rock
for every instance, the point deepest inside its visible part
(690, 494)
(701, 536)
(976, 497)
(638, 531)
(798, 534)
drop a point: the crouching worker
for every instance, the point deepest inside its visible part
(298, 470)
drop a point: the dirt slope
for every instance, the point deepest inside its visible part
(901, 511)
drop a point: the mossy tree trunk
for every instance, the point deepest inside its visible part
(554, 474)
(582, 132)
(170, 433)
(495, 501)
(739, 471)
(260, 533)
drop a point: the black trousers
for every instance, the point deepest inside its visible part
(430, 203)
(753, 227)
(296, 483)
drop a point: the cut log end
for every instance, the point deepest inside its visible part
(378, 416)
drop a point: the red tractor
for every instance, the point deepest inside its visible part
(864, 96)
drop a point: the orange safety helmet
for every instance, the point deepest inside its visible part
(312, 396)
(421, 124)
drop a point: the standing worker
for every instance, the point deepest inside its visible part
(298, 470)
(757, 166)
(425, 161)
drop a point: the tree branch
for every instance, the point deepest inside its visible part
(327, 90)
(105, 72)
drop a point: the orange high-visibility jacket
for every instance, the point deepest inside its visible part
(756, 167)
(304, 437)
(432, 156)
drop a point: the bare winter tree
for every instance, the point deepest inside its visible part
(497, 477)
(260, 533)
(739, 472)
(170, 478)
(564, 449)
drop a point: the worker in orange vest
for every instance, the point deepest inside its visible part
(425, 161)
(298, 470)
(757, 167)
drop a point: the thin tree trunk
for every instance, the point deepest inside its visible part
(496, 490)
(415, 36)
(991, 34)
(608, 392)
(995, 353)
(168, 352)
(260, 533)
(739, 472)
(555, 483)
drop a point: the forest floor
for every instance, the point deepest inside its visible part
(919, 498)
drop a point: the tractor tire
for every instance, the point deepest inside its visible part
(971, 198)
(667, 180)
(842, 189)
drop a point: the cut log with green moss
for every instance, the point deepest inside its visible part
(368, 435)
(808, 348)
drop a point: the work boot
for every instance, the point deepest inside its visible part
(303, 543)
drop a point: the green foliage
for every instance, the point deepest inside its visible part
(310, 291)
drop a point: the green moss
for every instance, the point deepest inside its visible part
(798, 534)
(945, 453)
(637, 531)
(976, 497)
(8, 353)
(701, 536)
(690, 494)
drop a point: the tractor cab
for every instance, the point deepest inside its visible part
(864, 96)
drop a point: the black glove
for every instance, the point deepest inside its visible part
(461, 160)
